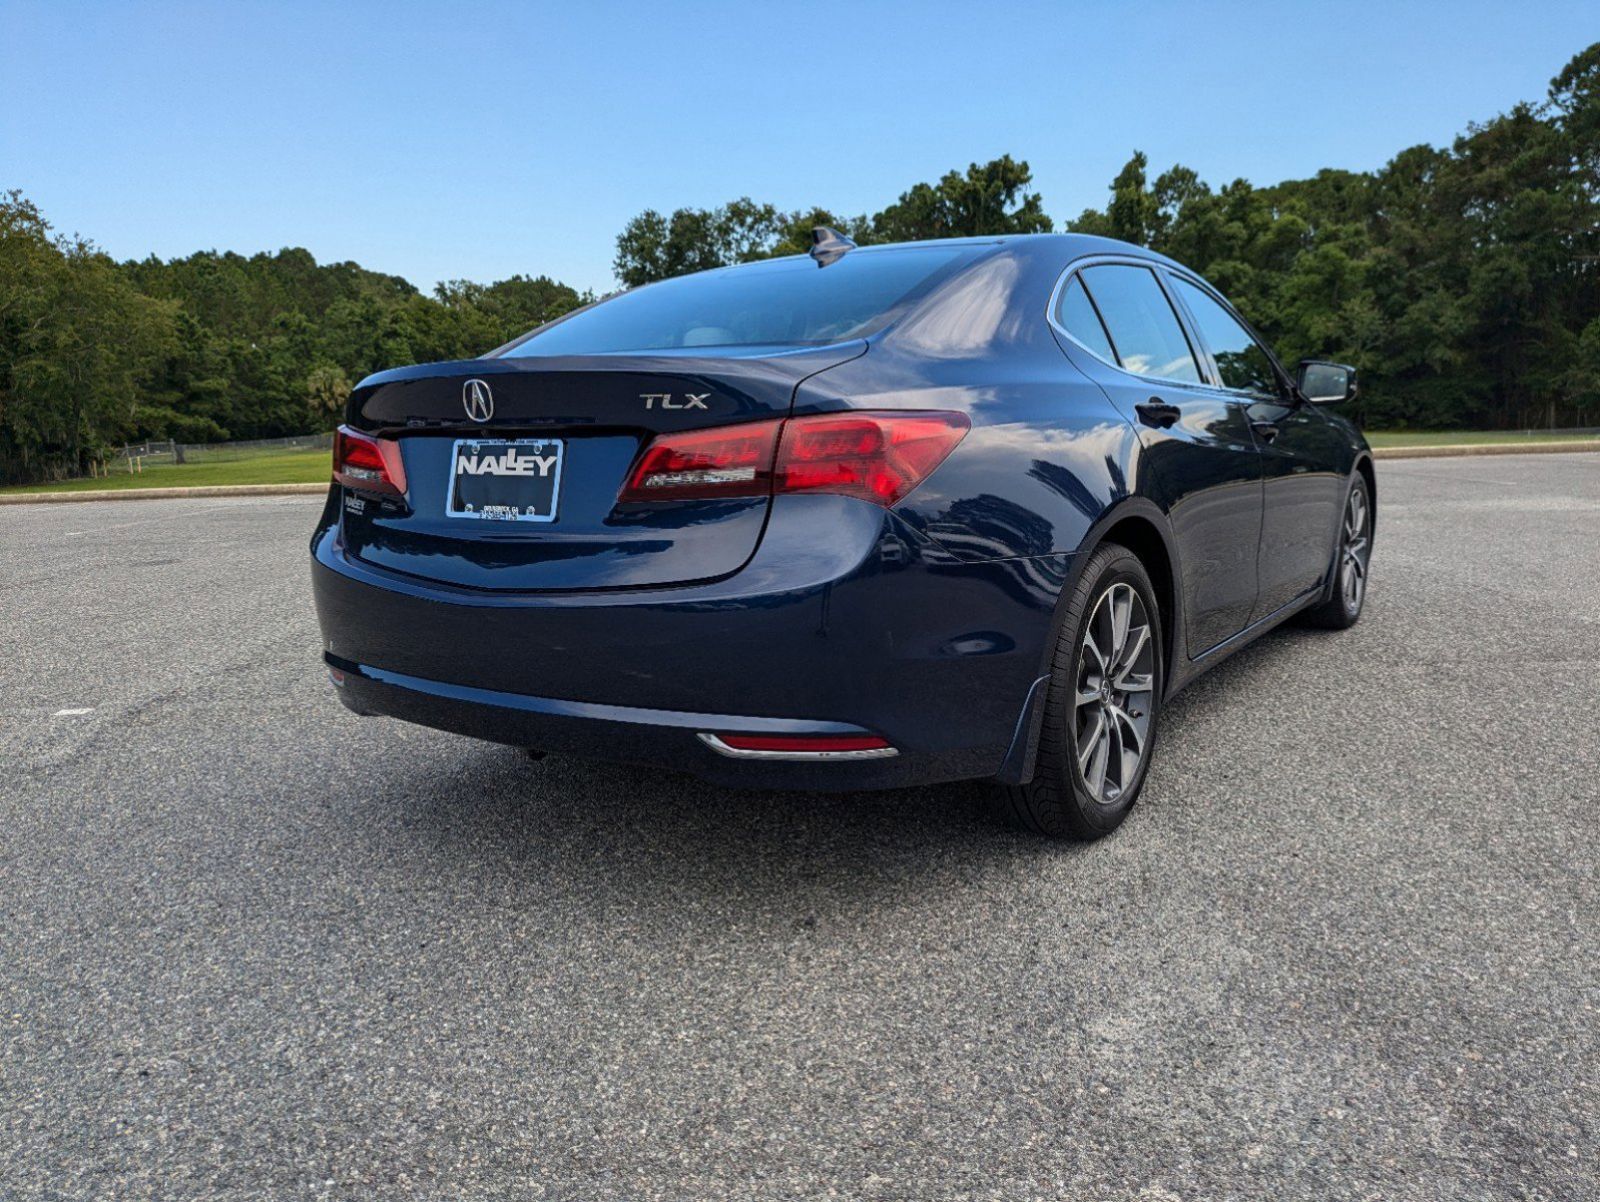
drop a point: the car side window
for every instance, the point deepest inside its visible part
(1242, 362)
(1078, 318)
(1139, 318)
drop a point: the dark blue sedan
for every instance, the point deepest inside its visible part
(868, 517)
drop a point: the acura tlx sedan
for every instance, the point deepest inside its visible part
(862, 518)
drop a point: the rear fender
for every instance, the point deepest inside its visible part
(1018, 766)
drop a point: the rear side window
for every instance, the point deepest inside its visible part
(1143, 328)
(1241, 361)
(780, 301)
(1078, 318)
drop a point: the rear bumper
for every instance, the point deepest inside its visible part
(844, 622)
(625, 734)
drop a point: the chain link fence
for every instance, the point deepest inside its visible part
(168, 451)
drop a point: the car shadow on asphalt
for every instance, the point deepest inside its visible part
(493, 809)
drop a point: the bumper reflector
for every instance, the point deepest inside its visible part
(799, 747)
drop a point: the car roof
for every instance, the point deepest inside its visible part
(1063, 247)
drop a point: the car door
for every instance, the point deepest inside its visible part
(1200, 461)
(1303, 491)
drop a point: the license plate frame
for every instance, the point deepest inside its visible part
(539, 449)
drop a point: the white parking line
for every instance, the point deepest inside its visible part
(73, 713)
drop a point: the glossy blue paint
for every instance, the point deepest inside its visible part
(931, 624)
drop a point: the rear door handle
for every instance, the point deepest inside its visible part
(1267, 431)
(1156, 412)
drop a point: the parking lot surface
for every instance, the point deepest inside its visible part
(1347, 946)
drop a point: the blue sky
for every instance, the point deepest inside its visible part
(478, 141)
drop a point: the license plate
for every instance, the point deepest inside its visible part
(505, 480)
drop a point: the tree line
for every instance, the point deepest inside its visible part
(211, 347)
(1463, 281)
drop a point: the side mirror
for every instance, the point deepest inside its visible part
(1325, 383)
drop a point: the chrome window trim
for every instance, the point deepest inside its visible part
(1202, 362)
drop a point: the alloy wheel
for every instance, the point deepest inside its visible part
(1115, 693)
(1355, 550)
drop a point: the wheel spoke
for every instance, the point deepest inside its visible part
(1101, 665)
(1116, 754)
(1130, 653)
(1100, 753)
(1137, 682)
(1129, 768)
(1128, 731)
(1121, 614)
(1091, 738)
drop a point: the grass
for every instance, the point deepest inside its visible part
(294, 467)
(1458, 438)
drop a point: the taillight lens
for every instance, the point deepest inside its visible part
(727, 461)
(878, 457)
(369, 464)
(805, 743)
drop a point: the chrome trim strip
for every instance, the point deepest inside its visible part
(737, 753)
(1155, 267)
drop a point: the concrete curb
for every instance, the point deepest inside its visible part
(1488, 448)
(164, 494)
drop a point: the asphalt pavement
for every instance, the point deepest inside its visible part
(1347, 946)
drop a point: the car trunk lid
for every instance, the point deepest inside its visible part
(601, 410)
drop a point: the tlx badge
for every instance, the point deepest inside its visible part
(665, 400)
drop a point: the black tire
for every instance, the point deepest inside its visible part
(1352, 553)
(1060, 801)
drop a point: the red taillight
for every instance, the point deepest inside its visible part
(727, 461)
(878, 457)
(368, 464)
(804, 742)
(799, 747)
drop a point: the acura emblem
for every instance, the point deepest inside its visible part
(477, 400)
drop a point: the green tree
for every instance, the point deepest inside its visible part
(993, 198)
(509, 308)
(1132, 215)
(76, 345)
(1462, 281)
(653, 247)
(327, 389)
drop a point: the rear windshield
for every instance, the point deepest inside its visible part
(788, 301)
